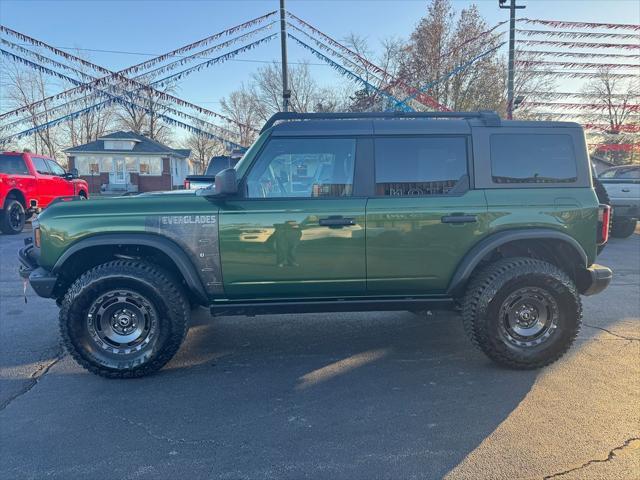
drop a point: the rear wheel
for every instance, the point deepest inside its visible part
(522, 312)
(124, 319)
(623, 227)
(13, 217)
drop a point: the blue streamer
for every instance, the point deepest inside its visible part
(97, 107)
(343, 70)
(455, 71)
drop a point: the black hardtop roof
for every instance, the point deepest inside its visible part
(393, 123)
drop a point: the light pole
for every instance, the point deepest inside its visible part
(512, 46)
(286, 93)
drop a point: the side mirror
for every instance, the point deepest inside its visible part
(226, 182)
(73, 172)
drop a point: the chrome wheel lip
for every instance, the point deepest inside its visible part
(528, 316)
(122, 322)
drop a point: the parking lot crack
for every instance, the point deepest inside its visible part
(165, 438)
(34, 378)
(613, 453)
(631, 339)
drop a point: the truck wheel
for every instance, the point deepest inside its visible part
(522, 313)
(623, 227)
(13, 217)
(124, 319)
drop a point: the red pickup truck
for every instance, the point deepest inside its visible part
(28, 183)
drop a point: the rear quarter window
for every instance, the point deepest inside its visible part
(533, 158)
(13, 165)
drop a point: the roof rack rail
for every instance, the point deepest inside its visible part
(489, 117)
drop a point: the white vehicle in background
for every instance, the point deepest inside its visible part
(623, 187)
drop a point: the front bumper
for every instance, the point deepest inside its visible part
(42, 280)
(594, 279)
(625, 209)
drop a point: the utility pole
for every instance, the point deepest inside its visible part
(286, 93)
(512, 47)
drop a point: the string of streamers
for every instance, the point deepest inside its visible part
(582, 106)
(570, 34)
(223, 132)
(569, 74)
(545, 53)
(122, 74)
(564, 24)
(453, 72)
(591, 116)
(424, 99)
(339, 68)
(616, 147)
(627, 128)
(99, 106)
(558, 43)
(474, 38)
(183, 61)
(563, 95)
(355, 66)
(99, 82)
(44, 59)
(579, 65)
(222, 58)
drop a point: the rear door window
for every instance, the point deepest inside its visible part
(532, 158)
(13, 165)
(409, 166)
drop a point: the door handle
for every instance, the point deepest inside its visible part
(459, 219)
(336, 222)
(626, 190)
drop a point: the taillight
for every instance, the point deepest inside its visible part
(36, 237)
(187, 184)
(604, 217)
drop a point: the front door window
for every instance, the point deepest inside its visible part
(301, 167)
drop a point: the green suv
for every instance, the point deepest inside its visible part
(340, 212)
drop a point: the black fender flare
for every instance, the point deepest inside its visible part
(169, 247)
(481, 249)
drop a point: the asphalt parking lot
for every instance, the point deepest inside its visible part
(353, 396)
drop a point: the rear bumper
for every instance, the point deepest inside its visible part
(42, 280)
(594, 279)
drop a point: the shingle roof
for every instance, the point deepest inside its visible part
(142, 145)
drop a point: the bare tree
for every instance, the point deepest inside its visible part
(616, 98)
(24, 87)
(142, 113)
(202, 147)
(242, 107)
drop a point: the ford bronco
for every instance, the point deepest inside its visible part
(340, 212)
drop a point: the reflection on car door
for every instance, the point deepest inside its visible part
(299, 229)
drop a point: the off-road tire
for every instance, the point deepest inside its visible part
(152, 287)
(9, 223)
(623, 227)
(484, 300)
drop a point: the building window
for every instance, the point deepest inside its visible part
(150, 166)
(132, 164)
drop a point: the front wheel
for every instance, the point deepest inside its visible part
(522, 312)
(12, 217)
(124, 319)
